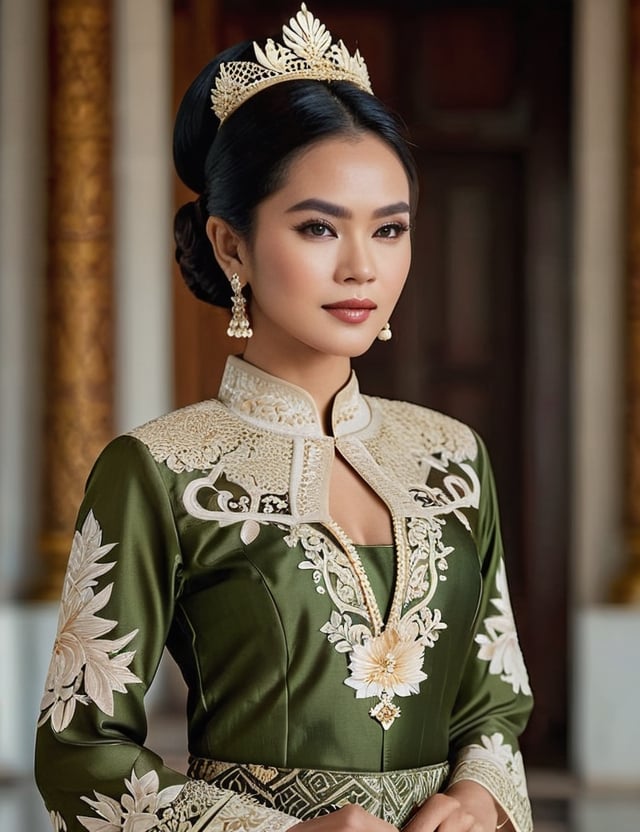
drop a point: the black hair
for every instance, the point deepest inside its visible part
(233, 167)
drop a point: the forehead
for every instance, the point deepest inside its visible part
(344, 169)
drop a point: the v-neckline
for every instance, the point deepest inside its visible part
(350, 549)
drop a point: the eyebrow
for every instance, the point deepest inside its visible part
(343, 213)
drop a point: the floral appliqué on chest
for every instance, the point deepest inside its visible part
(386, 659)
(267, 460)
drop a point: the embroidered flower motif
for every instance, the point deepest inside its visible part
(84, 667)
(494, 749)
(390, 663)
(343, 633)
(331, 565)
(501, 647)
(429, 625)
(57, 821)
(428, 554)
(137, 811)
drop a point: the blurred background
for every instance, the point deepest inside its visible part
(521, 317)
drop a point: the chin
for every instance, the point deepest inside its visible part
(358, 353)
(345, 347)
(359, 349)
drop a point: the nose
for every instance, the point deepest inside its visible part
(356, 263)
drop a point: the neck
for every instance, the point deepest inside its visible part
(322, 376)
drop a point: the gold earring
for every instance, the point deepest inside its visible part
(239, 326)
(385, 333)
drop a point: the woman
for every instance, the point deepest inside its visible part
(326, 568)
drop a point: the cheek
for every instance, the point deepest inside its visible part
(397, 266)
(287, 267)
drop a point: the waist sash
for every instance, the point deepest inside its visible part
(308, 793)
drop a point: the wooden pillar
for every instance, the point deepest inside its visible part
(79, 322)
(201, 342)
(627, 587)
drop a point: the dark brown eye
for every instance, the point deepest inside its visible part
(391, 230)
(316, 228)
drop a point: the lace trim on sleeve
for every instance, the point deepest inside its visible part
(502, 775)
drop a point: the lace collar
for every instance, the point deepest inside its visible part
(269, 401)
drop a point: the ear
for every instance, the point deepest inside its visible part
(228, 246)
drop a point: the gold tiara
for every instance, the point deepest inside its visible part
(307, 53)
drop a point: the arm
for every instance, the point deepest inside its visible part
(123, 580)
(487, 788)
(494, 700)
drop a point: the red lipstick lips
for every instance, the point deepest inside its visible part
(352, 310)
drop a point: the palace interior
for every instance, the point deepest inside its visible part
(521, 317)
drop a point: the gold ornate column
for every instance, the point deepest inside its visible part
(627, 588)
(79, 343)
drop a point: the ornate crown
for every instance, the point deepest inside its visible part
(307, 53)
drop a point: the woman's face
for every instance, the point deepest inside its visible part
(330, 250)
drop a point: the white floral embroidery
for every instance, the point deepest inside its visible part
(428, 560)
(85, 667)
(495, 750)
(187, 807)
(332, 572)
(211, 498)
(343, 633)
(501, 647)
(247, 390)
(265, 439)
(390, 663)
(57, 821)
(137, 811)
(268, 461)
(429, 623)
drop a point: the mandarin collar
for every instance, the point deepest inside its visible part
(271, 402)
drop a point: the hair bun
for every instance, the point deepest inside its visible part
(195, 256)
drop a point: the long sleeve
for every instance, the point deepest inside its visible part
(495, 698)
(123, 580)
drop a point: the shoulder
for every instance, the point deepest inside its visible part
(433, 431)
(188, 439)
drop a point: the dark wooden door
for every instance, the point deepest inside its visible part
(481, 332)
